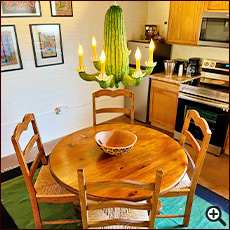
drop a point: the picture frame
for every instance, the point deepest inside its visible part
(47, 44)
(10, 53)
(61, 8)
(20, 9)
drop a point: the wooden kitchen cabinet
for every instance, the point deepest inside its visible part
(163, 104)
(215, 6)
(184, 22)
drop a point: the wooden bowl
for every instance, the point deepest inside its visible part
(115, 142)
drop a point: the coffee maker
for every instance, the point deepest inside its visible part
(195, 64)
(178, 62)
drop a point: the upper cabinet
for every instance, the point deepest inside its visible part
(215, 6)
(184, 22)
(185, 19)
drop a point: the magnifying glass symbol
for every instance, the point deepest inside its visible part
(214, 213)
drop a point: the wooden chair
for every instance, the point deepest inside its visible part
(45, 189)
(149, 205)
(187, 187)
(115, 93)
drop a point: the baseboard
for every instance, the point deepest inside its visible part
(11, 162)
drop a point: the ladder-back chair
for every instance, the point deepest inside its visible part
(45, 189)
(187, 187)
(94, 220)
(113, 93)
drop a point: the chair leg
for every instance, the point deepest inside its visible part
(37, 217)
(188, 209)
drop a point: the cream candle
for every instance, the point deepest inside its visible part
(138, 57)
(102, 57)
(94, 43)
(80, 52)
(151, 49)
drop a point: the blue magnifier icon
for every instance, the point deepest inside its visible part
(214, 213)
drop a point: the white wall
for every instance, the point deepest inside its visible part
(40, 90)
(159, 13)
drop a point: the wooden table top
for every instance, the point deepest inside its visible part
(153, 150)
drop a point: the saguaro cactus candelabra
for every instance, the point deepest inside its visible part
(113, 65)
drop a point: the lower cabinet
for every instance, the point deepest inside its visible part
(163, 104)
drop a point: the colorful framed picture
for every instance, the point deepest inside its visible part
(20, 9)
(47, 44)
(10, 54)
(61, 8)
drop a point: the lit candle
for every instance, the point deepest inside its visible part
(94, 47)
(151, 49)
(138, 57)
(102, 62)
(80, 52)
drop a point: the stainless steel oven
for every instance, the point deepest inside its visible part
(214, 30)
(209, 95)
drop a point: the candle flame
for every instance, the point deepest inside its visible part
(80, 50)
(138, 54)
(152, 46)
(102, 57)
(94, 41)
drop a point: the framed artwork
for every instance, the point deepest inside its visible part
(47, 44)
(20, 9)
(61, 8)
(10, 54)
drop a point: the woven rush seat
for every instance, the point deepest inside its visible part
(185, 182)
(46, 185)
(118, 213)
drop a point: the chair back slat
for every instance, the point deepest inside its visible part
(150, 206)
(120, 204)
(22, 126)
(30, 145)
(192, 141)
(113, 93)
(35, 164)
(113, 110)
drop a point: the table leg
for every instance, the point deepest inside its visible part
(77, 207)
(159, 207)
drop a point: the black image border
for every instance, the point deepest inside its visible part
(18, 50)
(33, 44)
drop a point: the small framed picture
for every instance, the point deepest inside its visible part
(10, 54)
(61, 8)
(20, 9)
(47, 44)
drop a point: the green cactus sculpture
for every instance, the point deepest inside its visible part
(117, 55)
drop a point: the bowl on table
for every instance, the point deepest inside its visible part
(115, 142)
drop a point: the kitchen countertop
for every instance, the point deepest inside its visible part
(174, 79)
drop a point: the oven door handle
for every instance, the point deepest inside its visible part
(224, 107)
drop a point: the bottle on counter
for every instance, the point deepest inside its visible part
(189, 71)
(180, 71)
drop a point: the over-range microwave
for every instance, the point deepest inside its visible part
(214, 30)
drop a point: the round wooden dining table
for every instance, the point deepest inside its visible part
(153, 150)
